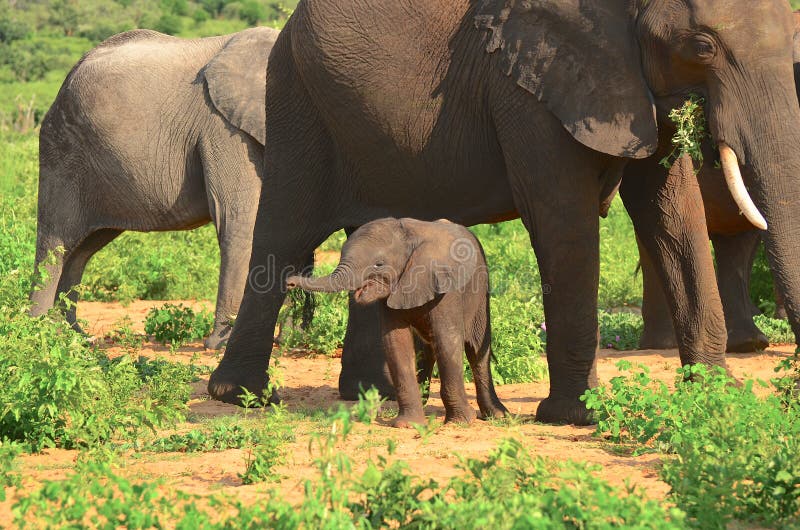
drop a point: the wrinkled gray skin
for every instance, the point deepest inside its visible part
(429, 277)
(735, 244)
(485, 110)
(151, 132)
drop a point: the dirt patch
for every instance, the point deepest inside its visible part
(310, 384)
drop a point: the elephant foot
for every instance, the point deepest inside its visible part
(228, 384)
(494, 411)
(353, 381)
(464, 415)
(560, 410)
(407, 420)
(658, 339)
(747, 340)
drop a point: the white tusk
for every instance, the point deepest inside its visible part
(733, 177)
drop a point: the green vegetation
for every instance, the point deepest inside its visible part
(59, 391)
(175, 324)
(507, 489)
(690, 121)
(735, 453)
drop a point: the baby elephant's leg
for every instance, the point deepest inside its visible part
(447, 331)
(479, 357)
(398, 341)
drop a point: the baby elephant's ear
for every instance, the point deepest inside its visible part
(435, 268)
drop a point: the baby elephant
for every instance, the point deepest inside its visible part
(430, 277)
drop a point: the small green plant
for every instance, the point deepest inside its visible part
(777, 331)
(9, 476)
(268, 444)
(788, 381)
(426, 430)
(125, 336)
(368, 406)
(175, 324)
(620, 331)
(219, 438)
(690, 121)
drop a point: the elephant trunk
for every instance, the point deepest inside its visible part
(339, 280)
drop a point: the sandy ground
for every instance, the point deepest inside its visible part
(310, 383)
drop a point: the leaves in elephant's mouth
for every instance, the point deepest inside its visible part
(690, 121)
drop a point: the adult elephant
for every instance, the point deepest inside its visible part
(735, 242)
(479, 111)
(151, 132)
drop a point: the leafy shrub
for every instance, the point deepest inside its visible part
(169, 24)
(124, 335)
(9, 476)
(735, 453)
(219, 438)
(777, 331)
(175, 324)
(518, 343)
(511, 489)
(58, 391)
(325, 333)
(507, 489)
(620, 331)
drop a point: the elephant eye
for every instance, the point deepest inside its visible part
(379, 264)
(704, 48)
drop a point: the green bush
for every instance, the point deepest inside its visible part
(777, 331)
(735, 453)
(620, 331)
(175, 324)
(59, 392)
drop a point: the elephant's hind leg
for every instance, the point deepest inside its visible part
(735, 255)
(48, 268)
(74, 265)
(479, 354)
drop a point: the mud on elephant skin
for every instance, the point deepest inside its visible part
(505, 108)
(428, 278)
(151, 132)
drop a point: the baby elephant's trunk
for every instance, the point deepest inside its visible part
(332, 283)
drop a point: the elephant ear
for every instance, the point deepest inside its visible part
(443, 260)
(237, 78)
(582, 60)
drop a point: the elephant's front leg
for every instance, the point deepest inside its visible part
(398, 341)
(568, 259)
(363, 358)
(667, 212)
(557, 192)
